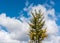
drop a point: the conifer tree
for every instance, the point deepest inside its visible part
(37, 33)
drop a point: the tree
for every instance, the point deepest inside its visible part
(37, 33)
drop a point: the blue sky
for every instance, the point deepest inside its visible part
(13, 7)
(12, 11)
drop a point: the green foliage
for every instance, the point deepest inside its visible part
(37, 33)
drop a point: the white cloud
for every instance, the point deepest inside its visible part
(52, 39)
(51, 12)
(5, 38)
(17, 30)
(52, 27)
